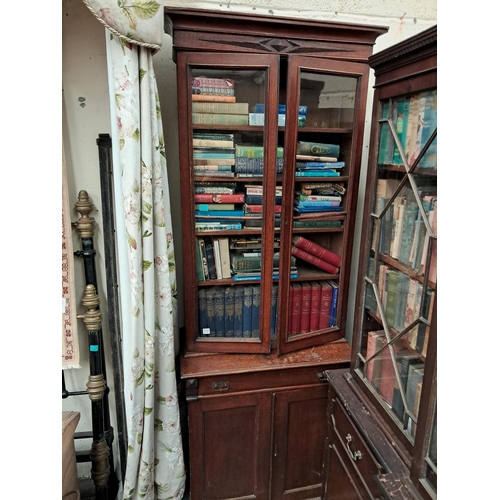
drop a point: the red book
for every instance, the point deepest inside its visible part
(297, 308)
(290, 309)
(317, 250)
(305, 315)
(315, 305)
(257, 209)
(325, 305)
(219, 198)
(316, 261)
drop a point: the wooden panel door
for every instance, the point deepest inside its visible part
(229, 447)
(298, 443)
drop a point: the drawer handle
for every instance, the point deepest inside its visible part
(356, 454)
(220, 386)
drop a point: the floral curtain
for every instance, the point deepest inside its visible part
(155, 464)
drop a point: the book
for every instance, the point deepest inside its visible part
(212, 91)
(382, 279)
(226, 108)
(212, 169)
(218, 268)
(201, 81)
(209, 249)
(260, 108)
(204, 261)
(392, 296)
(397, 226)
(317, 165)
(219, 154)
(317, 250)
(412, 127)
(257, 199)
(316, 173)
(318, 149)
(212, 98)
(315, 261)
(296, 308)
(256, 312)
(325, 305)
(218, 119)
(410, 215)
(254, 151)
(247, 165)
(316, 203)
(374, 342)
(316, 223)
(305, 314)
(212, 143)
(223, 243)
(257, 209)
(315, 305)
(218, 198)
(301, 157)
(404, 359)
(229, 305)
(200, 274)
(202, 313)
(336, 186)
(217, 226)
(247, 311)
(219, 213)
(206, 207)
(238, 311)
(259, 191)
(333, 307)
(403, 111)
(210, 319)
(429, 124)
(416, 140)
(402, 297)
(306, 197)
(200, 162)
(383, 134)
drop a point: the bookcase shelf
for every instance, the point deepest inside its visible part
(392, 376)
(305, 87)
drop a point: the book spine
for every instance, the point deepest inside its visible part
(304, 165)
(212, 143)
(384, 133)
(305, 197)
(202, 313)
(211, 311)
(204, 260)
(238, 311)
(316, 223)
(401, 126)
(317, 250)
(219, 213)
(229, 306)
(256, 312)
(323, 159)
(325, 305)
(212, 273)
(227, 108)
(315, 306)
(256, 199)
(318, 149)
(247, 311)
(218, 119)
(305, 315)
(246, 151)
(297, 308)
(317, 203)
(200, 275)
(212, 91)
(217, 227)
(225, 83)
(213, 98)
(392, 297)
(219, 198)
(316, 173)
(245, 165)
(213, 161)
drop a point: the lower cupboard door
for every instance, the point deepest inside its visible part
(229, 447)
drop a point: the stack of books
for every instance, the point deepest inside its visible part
(233, 311)
(250, 160)
(315, 159)
(253, 206)
(316, 254)
(256, 115)
(312, 306)
(215, 109)
(213, 154)
(212, 258)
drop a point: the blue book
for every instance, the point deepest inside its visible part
(305, 210)
(212, 273)
(219, 213)
(316, 203)
(238, 311)
(247, 311)
(333, 306)
(256, 199)
(219, 312)
(293, 274)
(229, 307)
(256, 312)
(429, 160)
(206, 154)
(316, 173)
(301, 165)
(211, 311)
(202, 313)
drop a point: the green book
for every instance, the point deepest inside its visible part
(384, 134)
(200, 275)
(392, 296)
(316, 223)
(318, 149)
(401, 126)
(254, 151)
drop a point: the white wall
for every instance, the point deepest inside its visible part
(84, 75)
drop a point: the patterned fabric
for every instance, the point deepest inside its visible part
(155, 463)
(70, 348)
(136, 21)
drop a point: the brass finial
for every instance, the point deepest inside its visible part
(99, 453)
(85, 225)
(92, 318)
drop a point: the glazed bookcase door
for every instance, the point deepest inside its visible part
(396, 339)
(228, 251)
(319, 197)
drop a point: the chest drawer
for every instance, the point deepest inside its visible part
(358, 457)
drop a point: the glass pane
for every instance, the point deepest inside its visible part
(431, 459)
(228, 139)
(401, 274)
